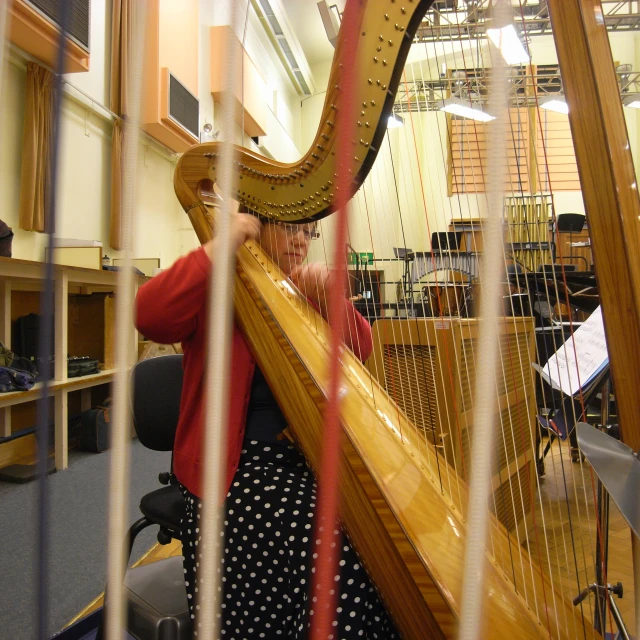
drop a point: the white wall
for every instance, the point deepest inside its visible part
(95, 82)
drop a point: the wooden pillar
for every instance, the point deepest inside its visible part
(61, 320)
(5, 313)
(61, 412)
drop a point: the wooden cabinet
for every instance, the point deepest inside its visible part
(84, 322)
(417, 362)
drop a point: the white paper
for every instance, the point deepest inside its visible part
(580, 359)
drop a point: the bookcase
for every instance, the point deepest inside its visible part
(84, 324)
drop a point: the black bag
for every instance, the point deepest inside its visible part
(82, 366)
(6, 238)
(94, 428)
(27, 330)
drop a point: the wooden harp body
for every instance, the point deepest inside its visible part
(409, 532)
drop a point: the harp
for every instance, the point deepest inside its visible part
(403, 491)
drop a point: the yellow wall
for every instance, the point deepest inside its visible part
(162, 228)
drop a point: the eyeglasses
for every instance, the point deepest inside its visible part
(309, 232)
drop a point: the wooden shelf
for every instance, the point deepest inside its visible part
(18, 397)
(84, 382)
(19, 282)
(70, 384)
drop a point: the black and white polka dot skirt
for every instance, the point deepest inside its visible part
(269, 552)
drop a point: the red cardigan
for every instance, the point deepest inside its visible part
(171, 307)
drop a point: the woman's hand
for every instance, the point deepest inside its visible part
(243, 227)
(315, 282)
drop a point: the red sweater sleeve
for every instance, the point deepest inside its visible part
(357, 333)
(167, 306)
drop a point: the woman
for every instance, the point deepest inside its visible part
(266, 571)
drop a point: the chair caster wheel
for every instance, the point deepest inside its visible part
(164, 537)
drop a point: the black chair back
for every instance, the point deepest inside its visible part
(157, 386)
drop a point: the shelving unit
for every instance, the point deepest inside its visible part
(20, 283)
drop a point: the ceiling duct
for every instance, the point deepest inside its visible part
(273, 19)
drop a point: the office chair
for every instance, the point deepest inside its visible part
(155, 405)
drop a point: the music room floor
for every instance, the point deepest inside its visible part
(557, 515)
(564, 516)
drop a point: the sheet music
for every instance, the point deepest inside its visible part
(579, 360)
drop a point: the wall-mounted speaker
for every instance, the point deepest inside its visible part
(79, 18)
(184, 107)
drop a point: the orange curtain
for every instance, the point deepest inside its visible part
(121, 39)
(36, 148)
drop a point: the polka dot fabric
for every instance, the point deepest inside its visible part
(269, 550)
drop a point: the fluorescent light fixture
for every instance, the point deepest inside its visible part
(395, 121)
(555, 104)
(458, 108)
(509, 44)
(632, 100)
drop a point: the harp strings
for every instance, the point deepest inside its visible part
(119, 471)
(454, 430)
(45, 342)
(515, 363)
(506, 422)
(575, 540)
(218, 365)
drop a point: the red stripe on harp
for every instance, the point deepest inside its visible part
(326, 521)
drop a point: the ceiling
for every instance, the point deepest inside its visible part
(304, 19)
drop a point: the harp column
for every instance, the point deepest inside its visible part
(609, 190)
(611, 200)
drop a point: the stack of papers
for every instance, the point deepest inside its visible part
(580, 360)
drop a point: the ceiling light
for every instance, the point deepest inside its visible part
(509, 44)
(632, 100)
(555, 104)
(458, 108)
(395, 121)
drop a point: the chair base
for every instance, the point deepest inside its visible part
(156, 598)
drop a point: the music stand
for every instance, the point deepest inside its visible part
(571, 223)
(407, 256)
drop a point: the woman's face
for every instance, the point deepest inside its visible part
(287, 245)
